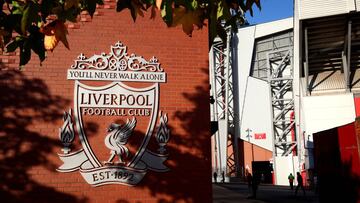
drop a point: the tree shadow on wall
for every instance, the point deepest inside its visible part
(189, 178)
(23, 103)
(337, 180)
(342, 185)
(339, 184)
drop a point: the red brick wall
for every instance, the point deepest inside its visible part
(33, 100)
(254, 153)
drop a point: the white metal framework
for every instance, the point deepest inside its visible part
(222, 107)
(272, 62)
(280, 78)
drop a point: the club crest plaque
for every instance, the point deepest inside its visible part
(121, 92)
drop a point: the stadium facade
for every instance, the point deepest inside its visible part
(292, 89)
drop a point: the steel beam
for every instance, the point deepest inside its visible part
(280, 77)
(346, 70)
(214, 110)
(306, 64)
(221, 77)
(348, 84)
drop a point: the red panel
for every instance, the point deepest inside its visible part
(303, 175)
(292, 117)
(348, 147)
(357, 106)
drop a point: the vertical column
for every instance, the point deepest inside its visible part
(306, 64)
(213, 108)
(227, 91)
(269, 69)
(348, 82)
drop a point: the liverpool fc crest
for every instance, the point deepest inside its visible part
(116, 119)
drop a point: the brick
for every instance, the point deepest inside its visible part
(98, 13)
(45, 91)
(73, 26)
(108, 6)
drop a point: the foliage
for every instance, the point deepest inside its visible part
(39, 25)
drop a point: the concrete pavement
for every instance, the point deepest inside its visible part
(239, 192)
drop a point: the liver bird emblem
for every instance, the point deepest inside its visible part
(117, 138)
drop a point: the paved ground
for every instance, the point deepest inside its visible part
(238, 192)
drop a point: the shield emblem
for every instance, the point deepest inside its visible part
(119, 102)
(115, 121)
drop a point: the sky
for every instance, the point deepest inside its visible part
(271, 10)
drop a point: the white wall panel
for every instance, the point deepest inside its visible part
(244, 40)
(351, 5)
(285, 166)
(254, 105)
(273, 27)
(257, 113)
(320, 8)
(326, 112)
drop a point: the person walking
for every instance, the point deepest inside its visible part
(223, 177)
(291, 181)
(215, 176)
(255, 184)
(300, 183)
(249, 179)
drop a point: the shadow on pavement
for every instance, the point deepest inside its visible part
(239, 192)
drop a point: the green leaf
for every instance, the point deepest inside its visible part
(12, 46)
(212, 22)
(122, 4)
(70, 14)
(46, 7)
(13, 21)
(242, 5)
(249, 4)
(25, 52)
(6, 29)
(194, 4)
(7, 36)
(166, 12)
(221, 32)
(136, 7)
(30, 15)
(36, 39)
(90, 6)
(133, 10)
(223, 11)
(18, 7)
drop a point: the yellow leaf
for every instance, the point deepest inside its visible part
(50, 42)
(54, 32)
(188, 19)
(158, 4)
